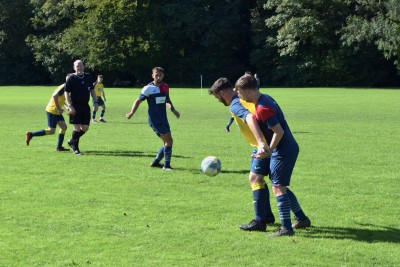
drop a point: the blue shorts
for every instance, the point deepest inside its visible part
(160, 128)
(100, 101)
(260, 166)
(282, 168)
(53, 119)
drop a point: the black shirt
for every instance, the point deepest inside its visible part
(79, 87)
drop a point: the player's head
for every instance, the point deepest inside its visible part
(157, 75)
(245, 85)
(78, 67)
(222, 90)
(67, 76)
(248, 72)
(99, 78)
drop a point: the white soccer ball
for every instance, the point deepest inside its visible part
(211, 166)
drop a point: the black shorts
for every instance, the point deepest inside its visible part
(82, 115)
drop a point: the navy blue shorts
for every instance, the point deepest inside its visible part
(282, 168)
(53, 119)
(260, 166)
(100, 101)
(82, 115)
(160, 128)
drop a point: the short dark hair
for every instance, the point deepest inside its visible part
(219, 85)
(246, 82)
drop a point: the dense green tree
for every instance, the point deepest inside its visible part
(198, 41)
(17, 65)
(376, 22)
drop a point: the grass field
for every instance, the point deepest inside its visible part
(108, 208)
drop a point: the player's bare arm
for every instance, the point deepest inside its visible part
(69, 103)
(94, 97)
(135, 106)
(173, 110)
(255, 129)
(55, 99)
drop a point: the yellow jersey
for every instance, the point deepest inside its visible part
(99, 89)
(51, 106)
(244, 128)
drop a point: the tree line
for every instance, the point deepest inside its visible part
(286, 42)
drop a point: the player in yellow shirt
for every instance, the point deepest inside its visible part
(243, 114)
(54, 117)
(99, 90)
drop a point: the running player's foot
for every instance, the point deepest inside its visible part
(282, 232)
(301, 224)
(254, 226)
(78, 153)
(168, 168)
(28, 138)
(62, 149)
(71, 144)
(156, 165)
(102, 120)
(94, 121)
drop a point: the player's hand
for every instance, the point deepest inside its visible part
(262, 153)
(129, 115)
(177, 114)
(60, 111)
(227, 129)
(71, 110)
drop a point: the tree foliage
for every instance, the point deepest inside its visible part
(287, 42)
(17, 65)
(376, 22)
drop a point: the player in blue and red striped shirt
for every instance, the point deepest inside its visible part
(282, 148)
(157, 95)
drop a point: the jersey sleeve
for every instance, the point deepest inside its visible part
(68, 83)
(144, 94)
(267, 115)
(61, 90)
(239, 110)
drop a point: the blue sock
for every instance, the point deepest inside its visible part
(160, 155)
(295, 206)
(167, 156)
(283, 202)
(259, 192)
(39, 133)
(268, 211)
(102, 113)
(60, 140)
(94, 115)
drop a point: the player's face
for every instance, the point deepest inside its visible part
(220, 97)
(78, 67)
(99, 79)
(157, 77)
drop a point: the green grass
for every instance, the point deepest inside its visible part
(108, 208)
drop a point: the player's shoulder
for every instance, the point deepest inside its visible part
(164, 88)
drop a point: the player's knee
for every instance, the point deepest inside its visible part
(50, 131)
(279, 190)
(256, 178)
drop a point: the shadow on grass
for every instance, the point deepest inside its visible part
(238, 171)
(125, 153)
(385, 234)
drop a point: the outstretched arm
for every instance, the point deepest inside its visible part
(135, 106)
(229, 124)
(172, 108)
